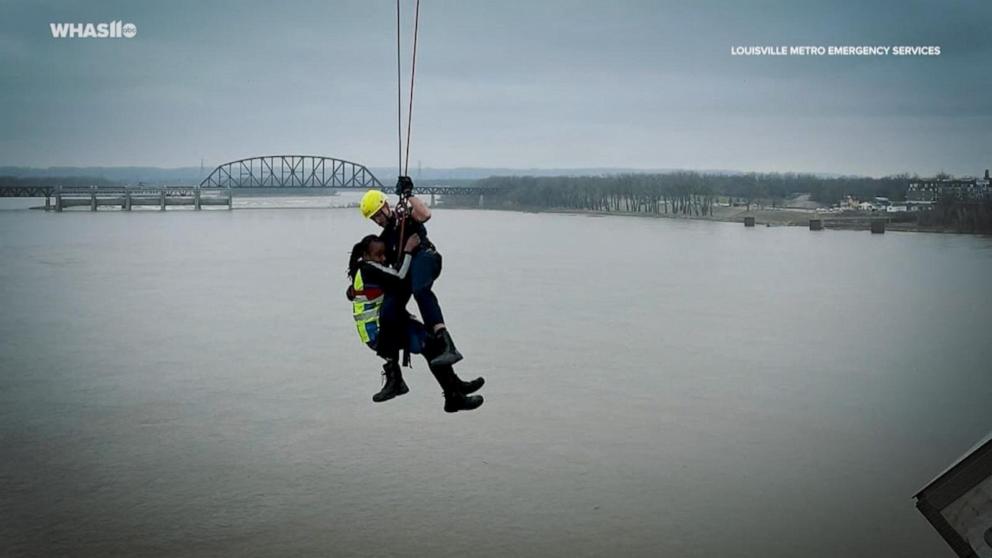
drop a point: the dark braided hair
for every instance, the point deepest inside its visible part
(359, 250)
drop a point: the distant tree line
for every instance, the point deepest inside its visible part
(959, 216)
(686, 193)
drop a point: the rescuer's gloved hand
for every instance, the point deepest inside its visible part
(401, 210)
(404, 186)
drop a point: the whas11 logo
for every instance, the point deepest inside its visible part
(109, 30)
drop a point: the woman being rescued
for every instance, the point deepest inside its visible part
(371, 278)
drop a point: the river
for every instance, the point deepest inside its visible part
(190, 384)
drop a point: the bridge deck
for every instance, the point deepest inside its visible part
(49, 191)
(127, 197)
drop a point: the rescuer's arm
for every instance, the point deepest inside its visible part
(386, 276)
(419, 210)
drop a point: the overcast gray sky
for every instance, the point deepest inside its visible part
(511, 84)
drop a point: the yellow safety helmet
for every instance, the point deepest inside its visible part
(372, 201)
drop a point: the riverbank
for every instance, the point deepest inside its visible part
(762, 217)
(771, 217)
(776, 217)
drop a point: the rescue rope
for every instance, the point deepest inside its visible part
(404, 165)
(413, 75)
(399, 98)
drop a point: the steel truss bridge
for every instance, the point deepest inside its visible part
(8, 191)
(310, 171)
(278, 171)
(291, 171)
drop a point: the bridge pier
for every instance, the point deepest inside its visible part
(482, 200)
(432, 199)
(48, 202)
(126, 198)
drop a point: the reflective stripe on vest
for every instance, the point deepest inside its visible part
(365, 311)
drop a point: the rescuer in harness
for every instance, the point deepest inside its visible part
(372, 280)
(425, 266)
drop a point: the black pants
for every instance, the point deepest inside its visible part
(425, 268)
(422, 343)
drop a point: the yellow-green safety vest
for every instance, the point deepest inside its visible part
(365, 310)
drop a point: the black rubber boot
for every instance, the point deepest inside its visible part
(454, 402)
(454, 399)
(471, 386)
(449, 354)
(432, 349)
(394, 385)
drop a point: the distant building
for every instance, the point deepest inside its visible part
(918, 205)
(877, 204)
(960, 189)
(848, 203)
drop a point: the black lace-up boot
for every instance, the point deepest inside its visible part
(394, 384)
(470, 386)
(432, 349)
(454, 399)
